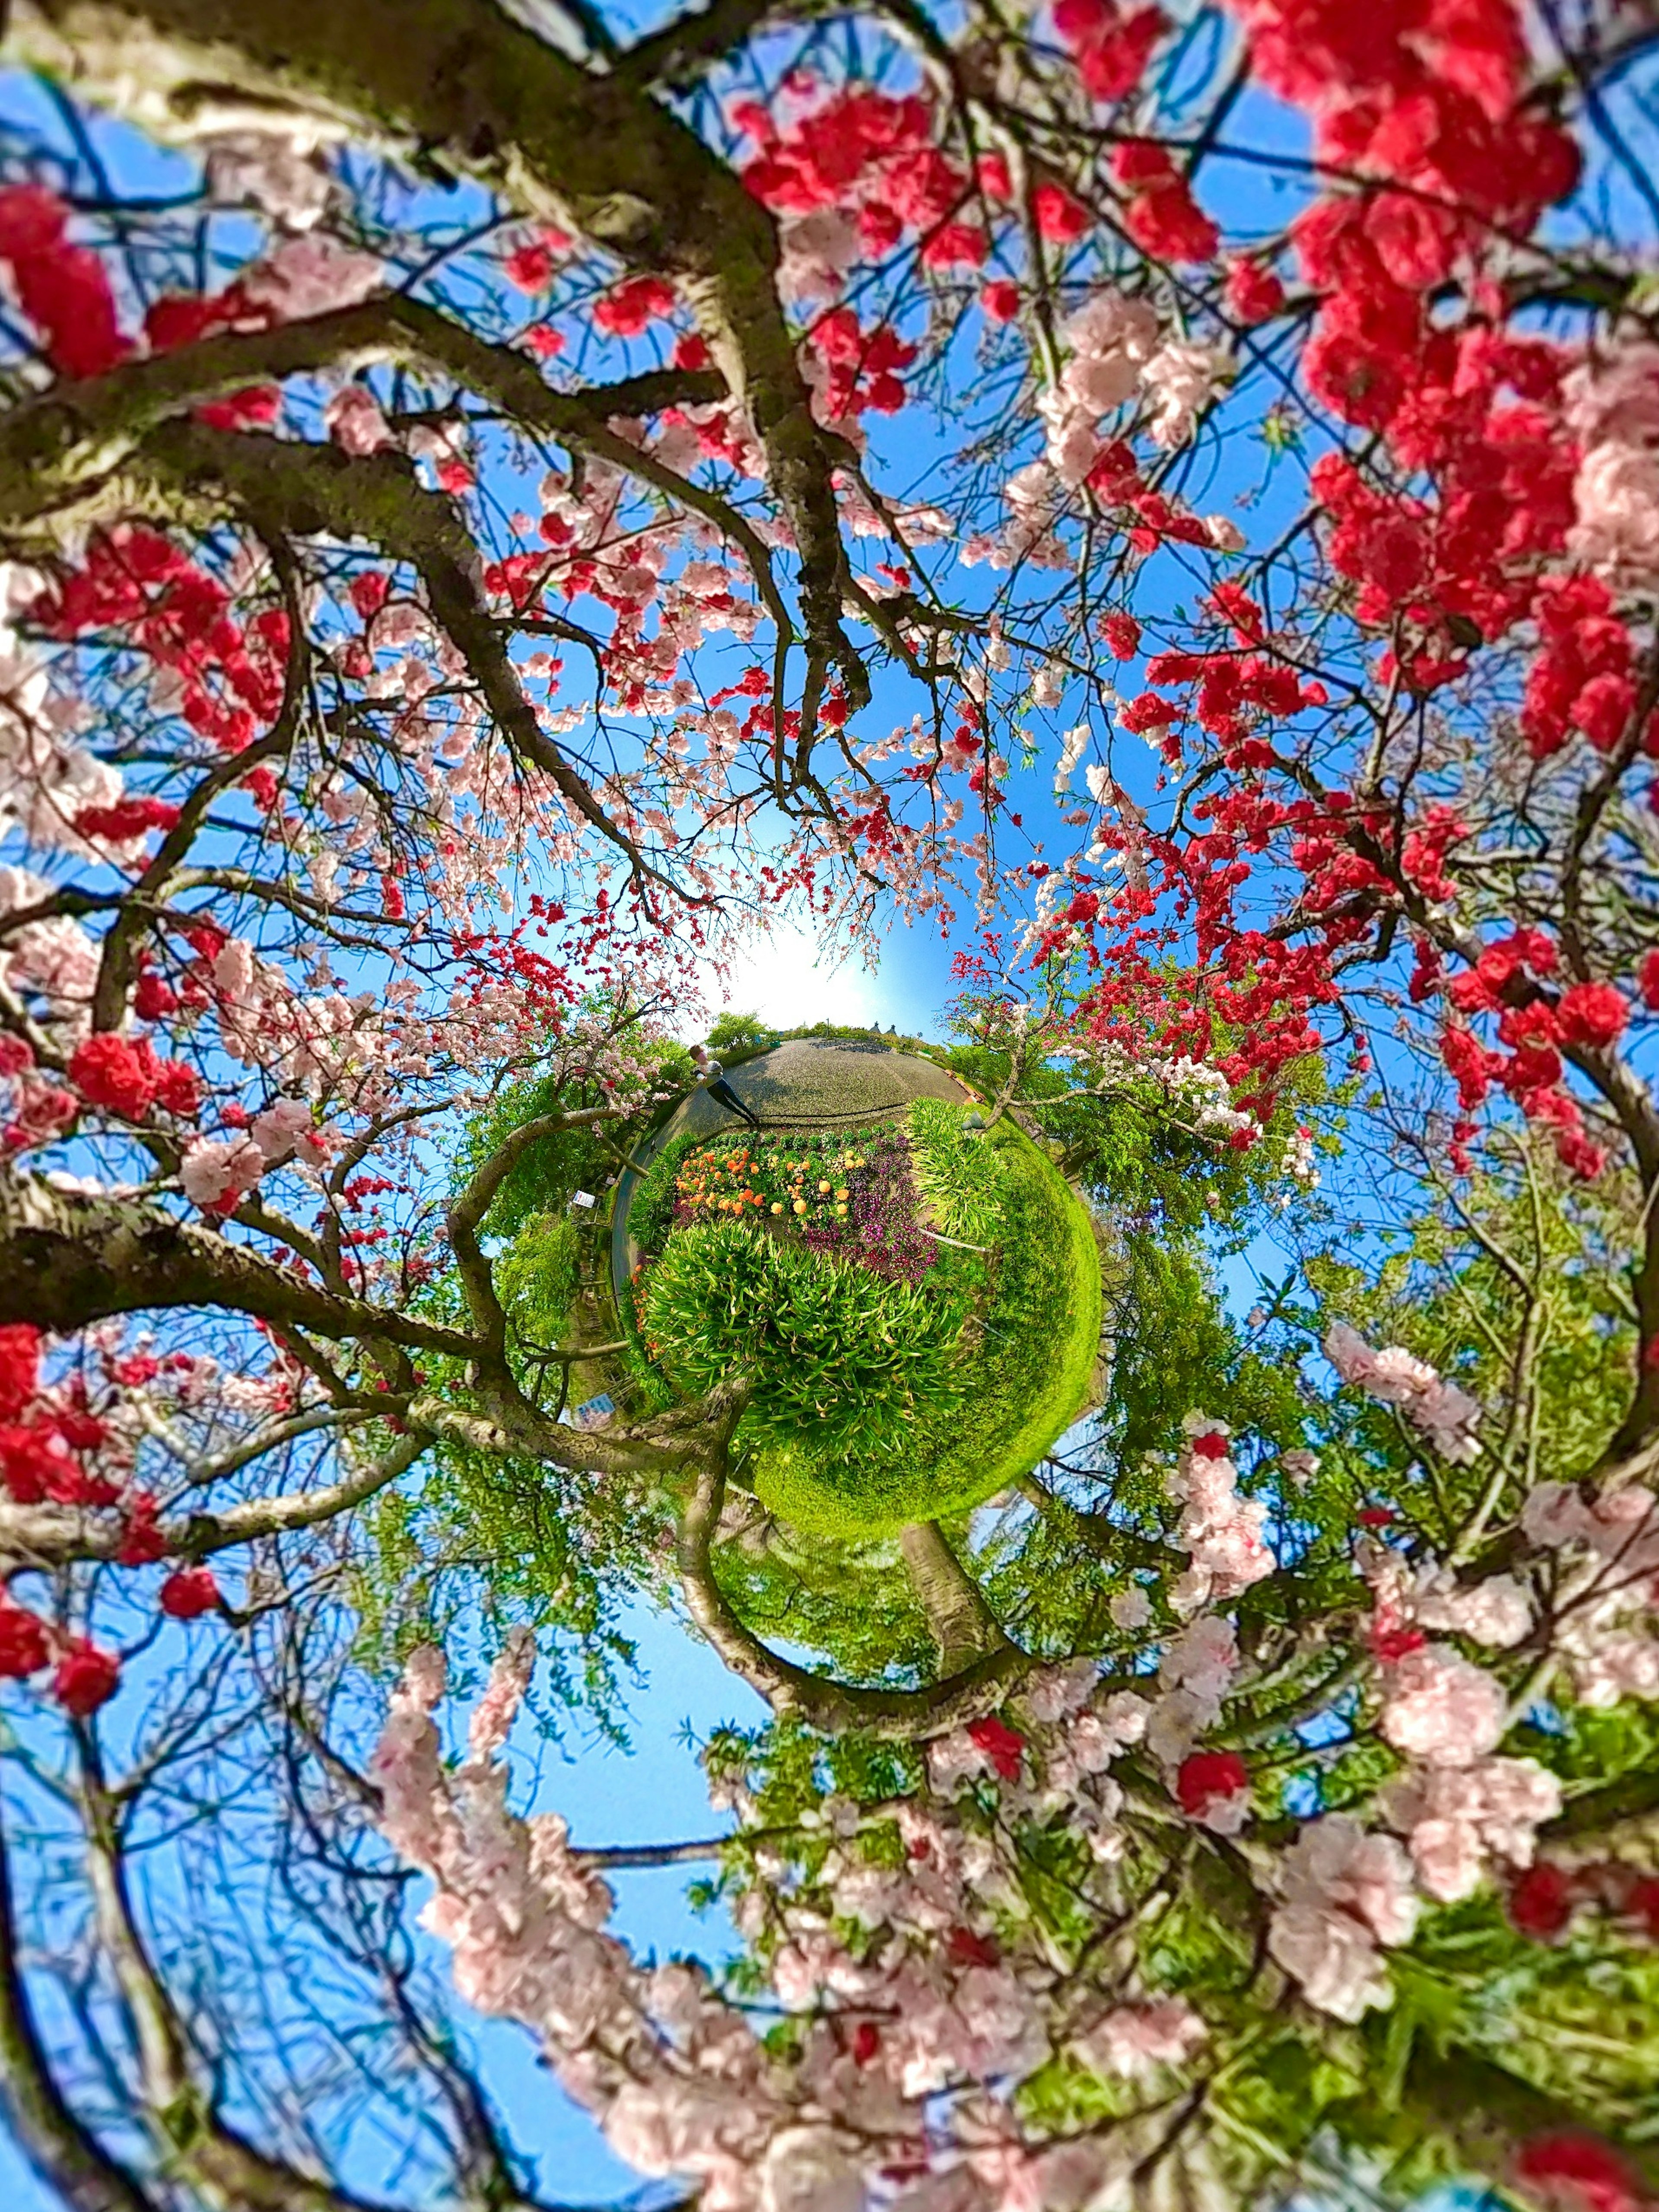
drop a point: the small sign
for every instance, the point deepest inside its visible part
(595, 1413)
(583, 1198)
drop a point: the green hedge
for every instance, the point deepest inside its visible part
(963, 1177)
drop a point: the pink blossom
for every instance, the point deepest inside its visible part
(1448, 1858)
(509, 1678)
(1131, 1609)
(355, 422)
(1441, 1709)
(312, 276)
(1057, 1691)
(1124, 1716)
(275, 170)
(1447, 1415)
(1496, 1612)
(1135, 2039)
(1616, 400)
(1181, 379)
(214, 1174)
(1220, 1529)
(810, 2169)
(1554, 1515)
(1616, 495)
(1344, 1893)
(1334, 1958)
(1455, 1819)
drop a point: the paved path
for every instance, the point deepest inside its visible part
(810, 1083)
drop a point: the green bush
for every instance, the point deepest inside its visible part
(837, 1355)
(652, 1213)
(961, 1177)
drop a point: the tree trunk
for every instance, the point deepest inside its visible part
(964, 1627)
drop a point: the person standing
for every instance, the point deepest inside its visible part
(711, 1079)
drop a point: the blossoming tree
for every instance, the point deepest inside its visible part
(1168, 497)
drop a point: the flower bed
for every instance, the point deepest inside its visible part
(854, 1197)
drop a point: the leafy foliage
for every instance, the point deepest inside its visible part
(835, 1354)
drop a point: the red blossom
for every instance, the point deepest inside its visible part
(969, 1949)
(1541, 1900)
(1059, 216)
(127, 818)
(111, 1072)
(1641, 1905)
(1252, 293)
(20, 1367)
(142, 1540)
(633, 305)
(84, 1678)
(1389, 1645)
(529, 268)
(1206, 1776)
(1572, 2172)
(1001, 1745)
(1593, 1015)
(64, 289)
(189, 1592)
(24, 1649)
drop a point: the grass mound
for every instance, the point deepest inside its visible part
(1028, 1378)
(917, 1308)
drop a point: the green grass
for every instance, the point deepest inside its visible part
(1029, 1380)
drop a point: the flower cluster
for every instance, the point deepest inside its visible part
(1221, 1530)
(217, 1173)
(1344, 1893)
(1447, 1416)
(772, 1179)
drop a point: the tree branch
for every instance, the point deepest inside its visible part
(894, 1715)
(67, 1258)
(64, 2153)
(460, 81)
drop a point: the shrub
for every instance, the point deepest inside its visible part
(961, 1177)
(836, 1355)
(745, 1034)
